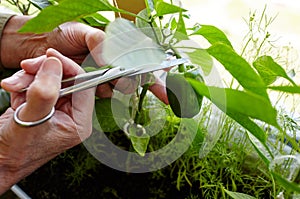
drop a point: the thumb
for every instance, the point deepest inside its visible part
(43, 92)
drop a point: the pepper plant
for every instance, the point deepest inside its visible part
(164, 24)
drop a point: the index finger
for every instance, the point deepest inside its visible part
(32, 66)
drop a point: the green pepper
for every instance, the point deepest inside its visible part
(183, 100)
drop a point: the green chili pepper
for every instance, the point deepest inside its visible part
(184, 101)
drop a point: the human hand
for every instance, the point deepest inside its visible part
(72, 39)
(24, 149)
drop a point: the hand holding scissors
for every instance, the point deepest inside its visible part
(85, 81)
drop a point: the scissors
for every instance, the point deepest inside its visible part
(91, 79)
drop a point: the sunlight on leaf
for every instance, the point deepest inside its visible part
(127, 46)
(67, 10)
(163, 8)
(239, 68)
(269, 70)
(235, 101)
(287, 89)
(212, 34)
(96, 20)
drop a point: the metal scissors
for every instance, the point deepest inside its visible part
(91, 79)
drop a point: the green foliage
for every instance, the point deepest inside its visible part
(109, 119)
(162, 8)
(245, 105)
(250, 105)
(236, 195)
(269, 70)
(138, 136)
(67, 10)
(239, 68)
(41, 4)
(4, 100)
(211, 33)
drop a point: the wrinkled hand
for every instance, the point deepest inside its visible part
(72, 39)
(24, 149)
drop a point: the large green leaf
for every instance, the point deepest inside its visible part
(269, 70)
(200, 57)
(251, 126)
(287, 89)
(148, 28)
(239, 68)
(163, 8)
(67, 10)
(212, 34)
(127, 46)
(235, 101)
(288, 185)
(111, 114)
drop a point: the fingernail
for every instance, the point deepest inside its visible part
(11, 80)
(32, 61)
(52, 66)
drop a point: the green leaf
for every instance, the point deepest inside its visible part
(251, 126)
(237, 195)
(127, 46)
(163, 8)
(96, 20)
(151, 30)
(67, 10)
(173, 24)
(181, 26)
(287, 89)
(201, 58)
(269, 70)
(139, 138)
(111, 114)
(261, 149)
(212, 34)
(288, 185)
(4, 100)
(245, 103)
(239, 68)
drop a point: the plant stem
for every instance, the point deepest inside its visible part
(156, 37)
(129, 13)
(140, 105)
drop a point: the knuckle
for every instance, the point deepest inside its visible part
(43, 93)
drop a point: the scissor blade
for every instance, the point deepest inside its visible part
(111, 74)
(86, 76)
(163, 65)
